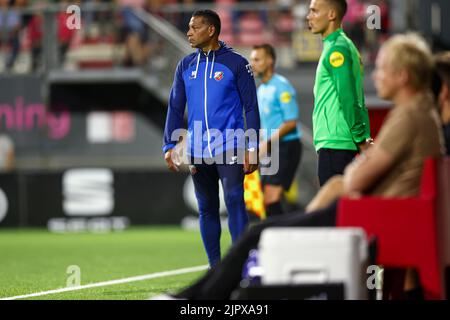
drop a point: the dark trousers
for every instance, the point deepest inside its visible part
(333, 162)
(206, 183)
(224, 278)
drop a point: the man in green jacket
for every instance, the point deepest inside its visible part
(340, 118)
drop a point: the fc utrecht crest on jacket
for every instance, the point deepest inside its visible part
(218, 75)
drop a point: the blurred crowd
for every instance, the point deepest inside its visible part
(22, 25)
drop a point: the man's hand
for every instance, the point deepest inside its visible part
(363, 146)
(250, 161)
(264, 149)
(169, 161)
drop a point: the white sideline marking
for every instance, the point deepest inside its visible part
(112, 282)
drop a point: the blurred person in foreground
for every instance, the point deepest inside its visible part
(392, 167)
(10, 23)
(134, 32)
(279, 115)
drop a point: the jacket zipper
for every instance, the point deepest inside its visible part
(206, 107)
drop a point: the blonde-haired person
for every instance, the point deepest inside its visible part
(390, 168)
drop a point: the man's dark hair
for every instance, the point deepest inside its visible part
(340, 6)
(211, 18)
(268, 49)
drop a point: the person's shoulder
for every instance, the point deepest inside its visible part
(282, 82)
(187, 60)
(342, 44)
(399, 117)
(280, 79)
(338, 54)
(345, 43)
(236, 57)
(190, 57)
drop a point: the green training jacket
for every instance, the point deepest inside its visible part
(340, 117)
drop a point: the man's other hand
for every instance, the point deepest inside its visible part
(169, 161)
(363, 146)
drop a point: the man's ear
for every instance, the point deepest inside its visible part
(332, 14)
(211, 30)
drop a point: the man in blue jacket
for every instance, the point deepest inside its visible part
(218, 87)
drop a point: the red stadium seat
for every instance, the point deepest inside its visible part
(377, 116)
(251, 30)
(407, 229)
(226, 33)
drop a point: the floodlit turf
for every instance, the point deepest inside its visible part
(37, 260)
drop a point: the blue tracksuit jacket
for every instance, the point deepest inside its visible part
(217, 88)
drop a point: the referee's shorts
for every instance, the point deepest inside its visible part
(289, 159)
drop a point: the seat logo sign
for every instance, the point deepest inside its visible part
(88, 192)
(3, 205)
(218, 75)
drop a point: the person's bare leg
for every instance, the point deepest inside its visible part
(133, 44)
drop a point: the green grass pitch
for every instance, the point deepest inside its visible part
(34, 260)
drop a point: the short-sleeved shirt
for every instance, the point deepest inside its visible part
(277, 102)
(410, 134)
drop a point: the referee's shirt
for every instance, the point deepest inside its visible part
(277, 104)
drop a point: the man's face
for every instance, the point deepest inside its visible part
(199, 32)
(261, 62)
(387, 80)
(318, 16)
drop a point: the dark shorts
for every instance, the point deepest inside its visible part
(333, 162)
(290, 155)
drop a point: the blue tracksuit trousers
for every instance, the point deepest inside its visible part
(206, 182)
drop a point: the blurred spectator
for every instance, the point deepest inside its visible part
(98, 23)
(354, 22)
(134, 32)
(10, 22)
(238, 16)
(65, 34)
(184, 16)
(385, 20)
(35, 33)
(6, 153)
(373, 39)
